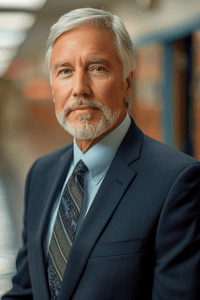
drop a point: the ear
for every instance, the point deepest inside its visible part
(128, 85)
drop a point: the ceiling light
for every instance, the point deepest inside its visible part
(7, 54)
(22, 4)
(11, 38)
(145, 4)
(4, 67)
(2, 72)
(16, 20)
(5, 64)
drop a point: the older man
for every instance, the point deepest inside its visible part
(115, 215)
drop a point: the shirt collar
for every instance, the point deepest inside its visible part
(100, 156)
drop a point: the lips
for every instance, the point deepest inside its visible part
(83, 107)
(82, 104)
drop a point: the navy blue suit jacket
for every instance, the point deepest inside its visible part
(140, 239)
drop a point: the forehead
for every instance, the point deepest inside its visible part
(86, 41)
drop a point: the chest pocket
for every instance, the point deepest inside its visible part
(118, 248)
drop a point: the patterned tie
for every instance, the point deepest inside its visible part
(65, 228)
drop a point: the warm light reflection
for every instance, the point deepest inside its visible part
(37, 89)
(26, 4)
(16, 20)
(17, 70)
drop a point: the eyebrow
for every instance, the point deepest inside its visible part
(61, 64)
(98, 61)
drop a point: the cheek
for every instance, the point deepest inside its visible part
(61, 95)
(108, 90)
(115, 98)
(60, 102)
(58, 107)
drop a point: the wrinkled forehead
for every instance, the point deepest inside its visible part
(92, 41)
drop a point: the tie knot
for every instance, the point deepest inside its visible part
(80, 168)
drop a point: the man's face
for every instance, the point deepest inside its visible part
(87, 82)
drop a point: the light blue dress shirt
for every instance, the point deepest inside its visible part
(98, 160)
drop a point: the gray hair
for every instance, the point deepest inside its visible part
(96, 17)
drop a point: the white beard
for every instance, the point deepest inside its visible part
(84, 130)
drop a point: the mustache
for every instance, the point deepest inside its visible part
(81, 102)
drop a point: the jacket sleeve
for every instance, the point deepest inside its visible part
(21, 281)
(177, 245)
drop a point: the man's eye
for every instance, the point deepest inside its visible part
(99, 69)
(65, 71)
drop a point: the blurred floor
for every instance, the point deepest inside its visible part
(8, 244)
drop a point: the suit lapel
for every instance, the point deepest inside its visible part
(115, 184)
(55, 178)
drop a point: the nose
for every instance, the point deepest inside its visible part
(81, 87)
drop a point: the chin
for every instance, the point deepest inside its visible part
(92, 117)
(85, 130)
(85, 126)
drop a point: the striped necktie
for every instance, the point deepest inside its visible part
(65, 228)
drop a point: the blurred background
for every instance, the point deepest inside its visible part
(166, 93)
